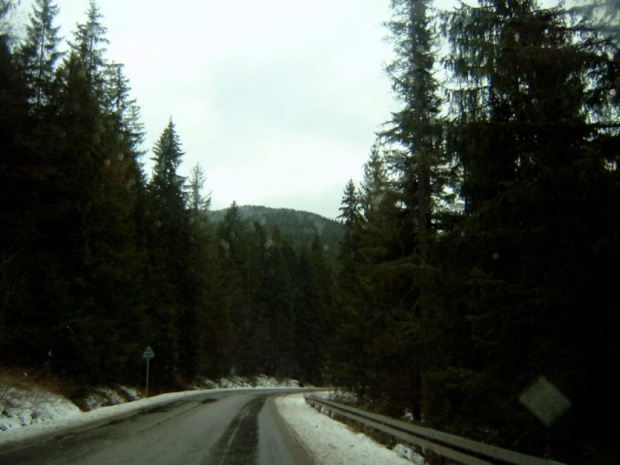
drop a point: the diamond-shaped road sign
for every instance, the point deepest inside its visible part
(148, 353)
(545, 400)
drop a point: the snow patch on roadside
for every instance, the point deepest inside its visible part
(130, 393)
(242, 382)
(338, 395)
(27, 411)
(21, 407)
(409, 454)
(101, 397)
(331, 442)
(269, 382)
(62, 422)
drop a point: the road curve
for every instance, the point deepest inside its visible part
(222, 428)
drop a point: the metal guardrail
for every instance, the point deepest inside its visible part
(454, 448)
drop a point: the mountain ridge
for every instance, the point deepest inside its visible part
(297, 226)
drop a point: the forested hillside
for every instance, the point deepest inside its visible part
(477, 254)
(297, 227)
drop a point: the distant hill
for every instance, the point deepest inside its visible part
(296, 226)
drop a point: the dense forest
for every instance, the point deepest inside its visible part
(477, 254)
(297, 227)
(99, 260)
(480, 248)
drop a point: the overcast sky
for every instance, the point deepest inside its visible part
(278, 100)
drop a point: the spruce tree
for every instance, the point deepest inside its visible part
(197, 203)
(204, 324)
(279, 299)
(39, 53)
(71, 259)
(344, 348)
(415, 157)
(18, 210)
(235, 251)
(89, 44)
(533, 112)
(416, 129)
(90, 260)
(123, 110)
(311, 308)
(169, 249)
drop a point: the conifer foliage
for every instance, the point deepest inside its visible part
(97, 260)
(39, 53)
(484, 261)
(477, 255)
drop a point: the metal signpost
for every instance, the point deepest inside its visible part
(148, 355)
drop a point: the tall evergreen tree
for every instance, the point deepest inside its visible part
(313, 311)
(16, 206)
(169, 249)
(204, 324)
(279, 293)
(235, 250)
(415, 129)
(78, 158)
(197, 202)
(89, 44)
(417, 162)
(89, 257)
(39, 53)
(166, 183)
(344, 349)
(533, 114)
(123, 110)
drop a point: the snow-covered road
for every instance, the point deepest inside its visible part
(205, 427)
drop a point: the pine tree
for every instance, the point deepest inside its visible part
(532, 108)
(344, 349)
(197, 202)
(39, 53)
(416, 129)
(167, 185)
(89, 45)
(278, 295)
(349, 250)
(415, 158)
(375, 184)
(17, 209)
(123, 110)
(69, 254)
(169, 251)
(204, 323)
(235, 251)
(312, 311)
(89, 257)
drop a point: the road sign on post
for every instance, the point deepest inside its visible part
(148, 355)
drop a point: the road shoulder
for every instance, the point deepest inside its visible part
(297, 449)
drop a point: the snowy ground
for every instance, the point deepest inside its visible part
(33, 414)
(331, 442)
(27, 410)
(23, 406)
(60, 414)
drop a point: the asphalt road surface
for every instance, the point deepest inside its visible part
(229, 428)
